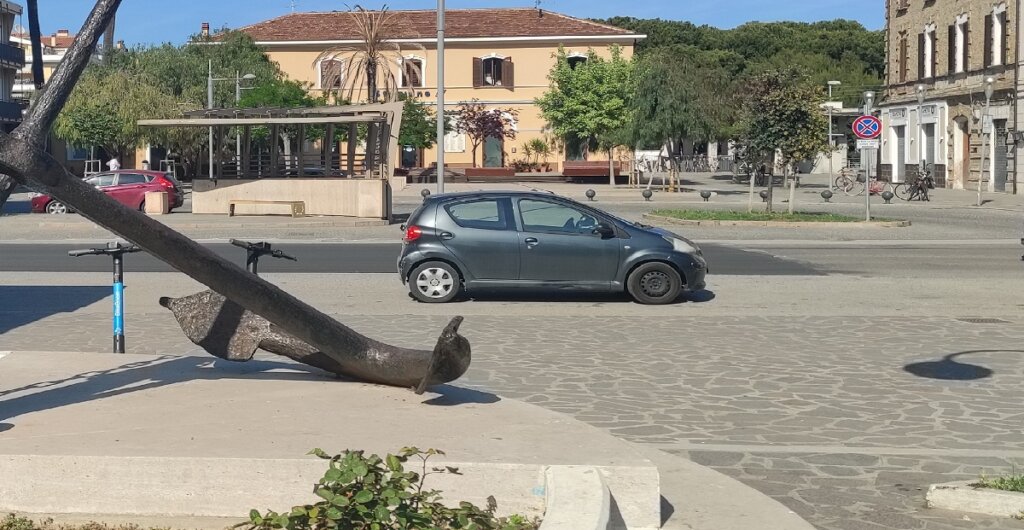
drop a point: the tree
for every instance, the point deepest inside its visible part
(105, 107)
(782, 118)
(682, 93)
(419, 125)
(588, 101)
(480, 123)
(367, 64)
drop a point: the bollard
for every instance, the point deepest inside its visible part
(590, 194)
(647, 194)
(425, 193)
(705, 195)
(254, 251)
(887, 195)
(116, 251)
(764, 195)
(827, 195)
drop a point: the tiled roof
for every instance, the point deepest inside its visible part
(459, 23)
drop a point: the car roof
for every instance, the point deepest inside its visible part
(134, 171)
(491, 194)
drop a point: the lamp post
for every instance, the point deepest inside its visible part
(986, 123)
(440, 96)
(209, 105)
(869, 100)
(238, 97)
(922, 149)
(831, 140)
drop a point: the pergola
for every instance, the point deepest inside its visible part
(378, 159)
(330, 180)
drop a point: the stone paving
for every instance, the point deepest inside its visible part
(827, 422)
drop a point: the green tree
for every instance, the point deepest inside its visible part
(104, 108)
(419, 124)
(479, 123)
(588, 102)
(782, 120)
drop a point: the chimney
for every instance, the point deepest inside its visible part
(63, 33)
(205, 31)
(120, 45)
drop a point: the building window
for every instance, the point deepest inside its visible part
(331, 74)
(412, 72)
(77, 153)
(996, 36)
(958, 56)
(926, 53)
(493, 71)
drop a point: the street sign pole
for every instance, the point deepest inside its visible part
(868, 128)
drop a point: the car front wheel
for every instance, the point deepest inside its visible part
(435, 282)
(654, 283)
(56, 208)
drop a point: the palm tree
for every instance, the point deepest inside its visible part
(367, 65)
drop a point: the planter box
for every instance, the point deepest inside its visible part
(963, 497)
(490, 172)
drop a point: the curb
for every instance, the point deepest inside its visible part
(576, 498)
(779, 224)
(961, 496)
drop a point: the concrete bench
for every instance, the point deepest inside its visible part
(298, 207)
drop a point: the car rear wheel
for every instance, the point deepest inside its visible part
(56, 208)
(654, 283)
(435, 282)
(142, 206)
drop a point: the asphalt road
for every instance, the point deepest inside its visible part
(343, 258)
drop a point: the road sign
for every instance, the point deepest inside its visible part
(867, 144)
(867, 127)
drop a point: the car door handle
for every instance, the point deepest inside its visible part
(531, 241)
(447, 235)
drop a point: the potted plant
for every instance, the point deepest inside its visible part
(540, 150)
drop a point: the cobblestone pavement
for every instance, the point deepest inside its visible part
(818, 412)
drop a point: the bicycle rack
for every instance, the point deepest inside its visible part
(117, 252)
(254, 251)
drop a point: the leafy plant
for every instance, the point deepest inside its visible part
(1013, 482)
(374, 493)
(480, 123)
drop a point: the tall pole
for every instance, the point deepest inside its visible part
(37, 44)
(209, 105)
(922, 147)
(440, 96)
(238, 135)
(986, 130)
(867, 154)
(831, 145)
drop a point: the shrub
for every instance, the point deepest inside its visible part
(374, 493)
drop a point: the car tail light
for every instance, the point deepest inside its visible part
(412, 234)
(165, 183)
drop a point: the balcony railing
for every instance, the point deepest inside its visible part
(12, 55)
(10, 111)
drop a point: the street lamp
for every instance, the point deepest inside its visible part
(986, 131)
(831, 140)
(209, 105)
(866, 154)
(922, 150)
(238, 98)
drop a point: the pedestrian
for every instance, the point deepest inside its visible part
(145, 165)
(114, 164)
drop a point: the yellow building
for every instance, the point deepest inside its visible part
(12, 58)
(501, 57)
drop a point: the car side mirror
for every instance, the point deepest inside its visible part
(605, 230)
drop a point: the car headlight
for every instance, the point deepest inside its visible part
(682, 246)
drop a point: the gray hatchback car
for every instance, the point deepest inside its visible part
(464, 242)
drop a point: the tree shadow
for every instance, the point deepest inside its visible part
(948, 369)
(21, 305)
(555, 296)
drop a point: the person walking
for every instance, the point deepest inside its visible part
(114, 164)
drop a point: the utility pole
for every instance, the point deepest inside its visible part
(209, 105)
(831, 141)
(866, 155)
(986, 131)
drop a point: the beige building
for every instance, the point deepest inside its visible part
(12, 59)
(54, 48)
(501, 57)
(946, 49)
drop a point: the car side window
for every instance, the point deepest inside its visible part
(544, 216)
(484, 214)
(101, 180)
(130, 178)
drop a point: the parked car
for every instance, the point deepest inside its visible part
(126, 186)
(462, 242)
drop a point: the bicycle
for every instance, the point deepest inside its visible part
(916, 188)
(849, 182)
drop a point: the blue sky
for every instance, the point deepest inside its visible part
(151, 21)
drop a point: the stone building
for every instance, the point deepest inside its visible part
(946, 49)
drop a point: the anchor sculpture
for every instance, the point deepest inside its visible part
(242, 312)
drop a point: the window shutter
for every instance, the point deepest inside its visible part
(508, 73)
(988, 41)
(1003, 49)
(967, 46)
(920, 55)
(951, 46)
(478, 72)
(903, 59)
(935, 53)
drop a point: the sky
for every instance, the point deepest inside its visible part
(157, 21)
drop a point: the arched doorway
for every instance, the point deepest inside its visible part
(961, 152)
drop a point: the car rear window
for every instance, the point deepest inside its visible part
(484, 214)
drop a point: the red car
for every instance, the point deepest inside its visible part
(126, 186)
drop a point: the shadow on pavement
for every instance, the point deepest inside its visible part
(21, 305)
(949, 369)
(452, 395)
(520, 295)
